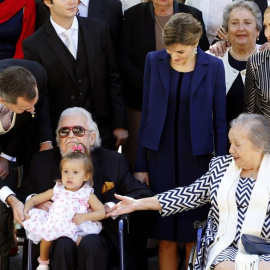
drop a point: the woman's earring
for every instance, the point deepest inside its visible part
(195, 50)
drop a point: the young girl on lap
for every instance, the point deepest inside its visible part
(75, 210)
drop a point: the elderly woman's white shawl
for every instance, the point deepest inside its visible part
(255, 214)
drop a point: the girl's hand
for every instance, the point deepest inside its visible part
(78, 218)
(26, 215)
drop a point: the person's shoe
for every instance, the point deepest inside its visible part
(43, 267)
(13, 251)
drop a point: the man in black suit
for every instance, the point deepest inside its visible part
(81, 69)
(111, 175)
(109, 11)
(19, 92)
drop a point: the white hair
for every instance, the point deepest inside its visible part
(91, 125)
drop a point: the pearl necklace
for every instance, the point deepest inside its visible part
(245, 58)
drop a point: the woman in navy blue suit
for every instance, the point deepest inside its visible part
(183, 122)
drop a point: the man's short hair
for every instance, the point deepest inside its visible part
(17, 82)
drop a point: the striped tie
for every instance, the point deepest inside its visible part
(5, 117)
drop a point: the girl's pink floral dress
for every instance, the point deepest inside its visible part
(58, 221)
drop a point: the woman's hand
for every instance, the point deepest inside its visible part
(219, 48)
(264, 47)
(127, 205)
(142, 177)
(222, 34)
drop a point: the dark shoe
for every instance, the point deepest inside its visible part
(151, 252)
(13, 251)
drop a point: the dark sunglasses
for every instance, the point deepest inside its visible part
(77, 131)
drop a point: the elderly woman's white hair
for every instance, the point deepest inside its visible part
(258, 129)
(91, 125)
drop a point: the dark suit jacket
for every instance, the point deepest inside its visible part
(109, 166)
(109, 11)
(137, 40)
(46, 47)
(14, 141)
(207, 105)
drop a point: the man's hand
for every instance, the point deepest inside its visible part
(17, 207)
(142, 177)
(108, 209)
(45, 146)
(121, 136)
(4, 167)
(44, 206)
(219, 48)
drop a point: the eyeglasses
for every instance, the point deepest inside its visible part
(77, 131)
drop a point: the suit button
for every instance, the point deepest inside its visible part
(72, 97)
(81, 94)
(80, 81)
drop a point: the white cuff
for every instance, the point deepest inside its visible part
(4, 193)
(30, 196)
(111, 204)
(9, 158)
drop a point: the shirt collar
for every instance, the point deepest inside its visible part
(85, 2)
(59, 29)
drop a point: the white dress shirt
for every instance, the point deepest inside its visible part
(5, 192)
(74, 32)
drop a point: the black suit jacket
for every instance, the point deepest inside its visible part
(109, 166)
(46, 47)
(14, 141)
(137, 40)
(109, 11)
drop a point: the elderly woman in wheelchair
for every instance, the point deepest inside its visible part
(238, 188)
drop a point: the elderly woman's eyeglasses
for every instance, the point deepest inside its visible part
(77, 131)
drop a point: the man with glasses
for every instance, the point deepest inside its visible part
(23, 84)
(111, 175)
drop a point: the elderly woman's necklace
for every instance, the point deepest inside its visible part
(237, 57)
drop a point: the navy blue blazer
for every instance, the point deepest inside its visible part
(207, 105)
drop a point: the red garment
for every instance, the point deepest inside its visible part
(9, 8)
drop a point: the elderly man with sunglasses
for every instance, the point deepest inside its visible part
(111, 175)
